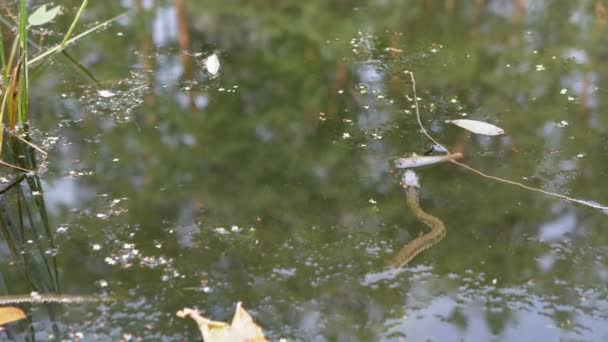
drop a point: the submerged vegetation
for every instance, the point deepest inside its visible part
(24, 221)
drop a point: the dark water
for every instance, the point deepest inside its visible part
(272, 183)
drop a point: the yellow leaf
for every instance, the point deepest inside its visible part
(242, 328)
(10, 314)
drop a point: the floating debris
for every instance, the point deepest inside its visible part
(477, 127)
(418, 161)
(106, 93)
(242, 327)
(41, 16)
(212, 64)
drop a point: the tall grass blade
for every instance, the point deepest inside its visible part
(3, 58)
(58, 48)
(23, 83)
(71, 29)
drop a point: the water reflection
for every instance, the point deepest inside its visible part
(270, 183)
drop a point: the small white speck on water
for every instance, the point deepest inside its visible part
(102, 216)
(494, 281)
(508, 65)
(103, 283)
(570, 98)
(345, 135)
(212, 63)
(96, 247)
(580, 155)
(340, 91)
(372, 201)
(563, 91)
(110, 261)
(540, 67)
(105, 93)
(206, 289)
(562, 124)
(454, 100)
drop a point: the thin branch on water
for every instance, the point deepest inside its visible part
(502, 180)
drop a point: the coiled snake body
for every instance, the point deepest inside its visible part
(413, 248)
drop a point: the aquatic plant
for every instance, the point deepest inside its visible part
(16, 65)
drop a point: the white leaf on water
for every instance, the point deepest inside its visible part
(212, 63)
(105, 93)
(478, 127)
(41, 16)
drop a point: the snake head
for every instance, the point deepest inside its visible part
(410, 179)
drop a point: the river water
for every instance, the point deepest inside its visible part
(271, 182)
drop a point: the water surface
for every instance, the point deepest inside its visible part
(272, 182)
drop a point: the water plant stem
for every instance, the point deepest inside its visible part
(71, 29)
(482, 174)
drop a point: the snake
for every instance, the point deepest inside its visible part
(412, 248)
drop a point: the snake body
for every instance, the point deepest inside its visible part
(411, 249)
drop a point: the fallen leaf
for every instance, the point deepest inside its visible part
(10, 314)
(212, 63)
(41, 16)
(478, 127)
(242, 327)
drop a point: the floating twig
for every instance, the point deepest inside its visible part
(502, 180)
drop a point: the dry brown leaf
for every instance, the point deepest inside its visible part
(10, 314)
(242, 327)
